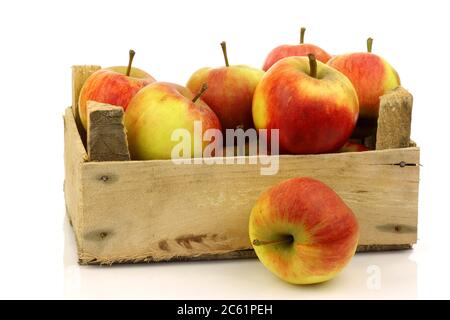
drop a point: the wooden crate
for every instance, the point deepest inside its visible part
(136, 211)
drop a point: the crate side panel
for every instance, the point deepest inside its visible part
(158, 210)
(74, 156)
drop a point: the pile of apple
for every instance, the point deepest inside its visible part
(314, 99)
(301, 230)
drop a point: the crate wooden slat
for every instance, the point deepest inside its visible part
(394, 120)
(132, 211)
(79, 76)
(106, 134)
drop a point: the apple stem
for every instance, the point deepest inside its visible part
(200, 93)
(223, 44)
(130, 61)
(287, 239)
(312, 65)
(302, 35)
(369, 45)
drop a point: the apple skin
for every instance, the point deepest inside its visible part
(112, 86)
(230, 93)
(372, 77)
(314, 115)
(324, 229)
(156, 111)
(304, 49)
(353, 147)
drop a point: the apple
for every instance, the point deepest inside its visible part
(114, 85)
(353, 147)
(156, 111)
(371, 75)
(314, 106)
(230, 91)
(302, 49)
(302, 231)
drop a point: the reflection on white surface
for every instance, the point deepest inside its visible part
(387, 275)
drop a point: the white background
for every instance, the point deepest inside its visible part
(41, 40)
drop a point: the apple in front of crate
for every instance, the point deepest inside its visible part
(314, 106)
(230, 91)
(350, 146)
(114, 85)
(302, 49)
(302, 231)
(157, 111)
(371, 75)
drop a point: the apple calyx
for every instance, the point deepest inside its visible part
(369, 45)
(223, 44)
(130, 61)
(312, 65)
(286, 239)
(302, 35)
(200, 93)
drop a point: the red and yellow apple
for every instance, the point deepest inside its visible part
(114, 85)
(314, 106)
(353, 147)
(302, 231)
(156, 111)
(371, 75)
(302, 49)
(230, 91)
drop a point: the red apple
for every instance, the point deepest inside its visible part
(302, 49)
(302, 231)
(114, 85)
(230, 91)
(353, 147)
(159, 109)
(371, 75)
(314, 106)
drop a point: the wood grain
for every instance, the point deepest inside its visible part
(157, 210)
(79, 76)
(394, 120)
(74, 157)
(106, 136)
